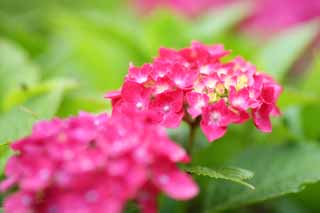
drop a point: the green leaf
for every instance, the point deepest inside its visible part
(279, 170)
(293, 121)
(18, 122)
(5, 152)
(86, 52)
(81, 100)
(131, 207)
(16, 71)
(167, 204)
(127, 32)
(293, 97)
(164, 28)
(311, 83)
(19, 95)
(284, 205)
(218, 22)
(279, 54)
(232, 174)
(29, 29)
(310, 121)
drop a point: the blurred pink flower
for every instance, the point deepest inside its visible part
(199, 84)
(274, 15)
(92, 163)
(186, 7)
(266, 15)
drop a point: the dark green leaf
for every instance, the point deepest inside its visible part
(279, 170)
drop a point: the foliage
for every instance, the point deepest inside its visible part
(289, 170)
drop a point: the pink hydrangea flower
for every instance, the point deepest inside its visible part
(194, 82)
(93, 163)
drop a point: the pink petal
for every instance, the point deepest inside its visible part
(113, 94)
(261, 118)
(160, 69)
(139, 75)
(243, 117)
(268, 94)
(18, 203)
(196, 102)
(170, 54)
(137, 95)
(147, 198)
(239, 99)
(182, 77)
(168, 108)
(7, 183)
(172, 119)
(213, 132)
(176, 184)
(115, 97)
(168, 148)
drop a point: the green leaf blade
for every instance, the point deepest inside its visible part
(229, 173)
(19, 120)
(16, 70)
(279, 170)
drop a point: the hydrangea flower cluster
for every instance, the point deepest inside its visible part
(93, 163)
(194, 84)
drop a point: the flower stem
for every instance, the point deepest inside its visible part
(192, 134)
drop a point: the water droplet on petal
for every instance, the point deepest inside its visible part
(139, 105)
(166, 108)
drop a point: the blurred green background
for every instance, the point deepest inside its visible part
(60, 57)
